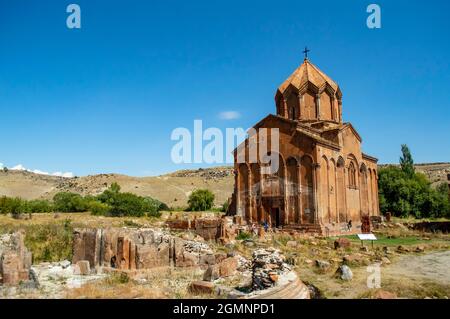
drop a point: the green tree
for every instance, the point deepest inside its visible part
(126, 204)
(69, 202)
(443, 189)
(39, 206)
(200, 200)
(406, 161)
(99, 208)
(115, 203)
(115, 188)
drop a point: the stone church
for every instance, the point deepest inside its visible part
(325, 183)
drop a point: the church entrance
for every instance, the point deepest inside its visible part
(274, 207)
(275, 217)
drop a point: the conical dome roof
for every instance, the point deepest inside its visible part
(308, 72)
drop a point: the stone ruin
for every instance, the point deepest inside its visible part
(15, 259)
(211, 228)
(129, 249)
(268, 266)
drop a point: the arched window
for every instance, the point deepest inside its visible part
(352, 175)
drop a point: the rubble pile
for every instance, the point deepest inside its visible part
(243, 263)
(196, 247)
(267, 267)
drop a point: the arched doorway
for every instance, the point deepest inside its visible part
(273, 195)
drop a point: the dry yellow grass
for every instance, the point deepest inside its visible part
(78, 220)
(162, 282)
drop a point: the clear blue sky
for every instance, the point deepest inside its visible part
(107, 97)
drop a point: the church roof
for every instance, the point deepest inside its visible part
(308, 72)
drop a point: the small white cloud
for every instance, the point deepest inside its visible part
(36, 171)
(61, 174)
(1, 165)
(19, 167)
(229, 115)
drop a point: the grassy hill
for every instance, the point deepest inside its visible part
(173, 188)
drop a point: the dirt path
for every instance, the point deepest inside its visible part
(409, 276)
(433, 266)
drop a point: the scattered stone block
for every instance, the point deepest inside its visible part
(228, 267)
(24, 275)
(211, 273)
(273, 276)
(84, 267)
(420, 249)
(201, 287)
(323, 265)
(402, 249)
(308, 261)
(383, 294)
(292, 244)
(344, 272)
(207, 259)
(219, 257)
(342, 243)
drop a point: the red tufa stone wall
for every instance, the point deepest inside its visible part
(207, 228)
(129, 249)
(15, 259)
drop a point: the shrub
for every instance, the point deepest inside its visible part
(17, 206)
(50, 242)
(14, 206)
(200, 200)
(121, 204)
(69, 202)
(243, 236)
(225, 206)
(127, 204)
(39, 206)
(98, 208)
(154, 206)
